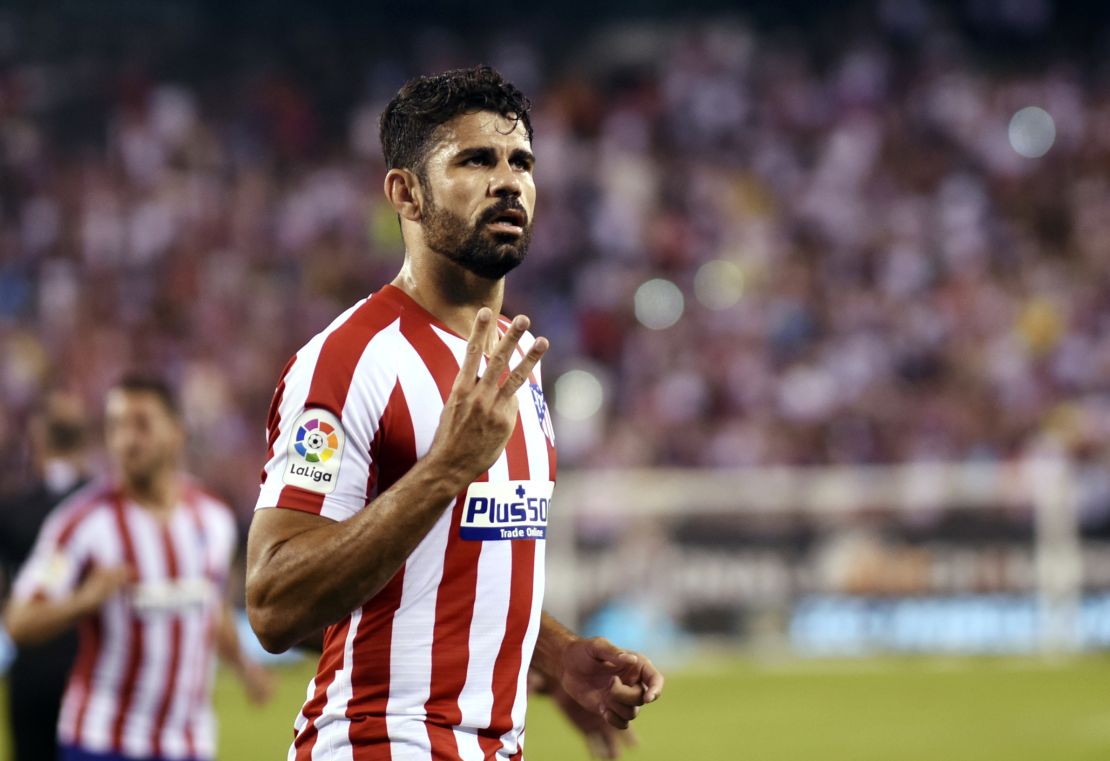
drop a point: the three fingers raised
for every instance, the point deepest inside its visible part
(502, 353)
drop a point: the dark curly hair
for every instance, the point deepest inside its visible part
(409, 122)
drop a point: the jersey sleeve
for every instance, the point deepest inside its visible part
(320, 432)
(56, 562)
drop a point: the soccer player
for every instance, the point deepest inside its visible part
(38, 675)
(139, 564)
(411, 463)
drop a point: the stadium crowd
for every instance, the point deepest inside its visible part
(900, 283)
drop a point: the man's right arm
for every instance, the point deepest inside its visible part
(305, 572)
(36, 620)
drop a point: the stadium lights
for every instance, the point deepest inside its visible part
(1032, 132)
(659, 304)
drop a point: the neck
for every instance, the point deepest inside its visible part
(158, 492)
(450, 292)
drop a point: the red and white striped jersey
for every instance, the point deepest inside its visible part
(142, 682)
(435, 665)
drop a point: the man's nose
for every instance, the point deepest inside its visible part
(504, 181)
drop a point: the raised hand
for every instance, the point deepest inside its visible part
(613, 682)
(480, 414)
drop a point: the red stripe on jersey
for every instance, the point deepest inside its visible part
(200, 676)
(331, 380)
(368, 733)
(457, 589)
(331, 661)
(172, 572)
(135, 646)
(88, 652)
(371, 649)
(273, 418)
(201, 687)
(94, 499)
(506, 669)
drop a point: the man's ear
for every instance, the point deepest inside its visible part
(404, 193)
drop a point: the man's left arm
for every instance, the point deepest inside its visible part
(600, 676)
(256, 680)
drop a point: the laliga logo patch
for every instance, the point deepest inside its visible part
(315, 452)
(506, 510)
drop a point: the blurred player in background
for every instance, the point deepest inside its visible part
(38, 674)
(411, 466)
(139, 563)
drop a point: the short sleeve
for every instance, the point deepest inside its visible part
(57, 560)
(319, 459)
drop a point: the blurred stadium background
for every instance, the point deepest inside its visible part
(828, 290)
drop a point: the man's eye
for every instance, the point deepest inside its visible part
(476, 161)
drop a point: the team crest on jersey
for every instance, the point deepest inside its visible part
(542, 413)
(315, 452)
(506, 510)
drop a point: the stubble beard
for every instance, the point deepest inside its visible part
(474, 248)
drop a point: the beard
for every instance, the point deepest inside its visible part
(475, 248)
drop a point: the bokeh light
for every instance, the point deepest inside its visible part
(719, 284)
(578, 394)
(1032, 132)
(659, 304)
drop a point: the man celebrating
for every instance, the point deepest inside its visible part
(140, 564)
(404, 504)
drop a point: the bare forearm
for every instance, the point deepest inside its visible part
(552, 641)
(32, 623)
(314, 578)
(227, 639)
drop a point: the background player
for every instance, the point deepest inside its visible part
(140, 563)
(38, 675)
(431, 594)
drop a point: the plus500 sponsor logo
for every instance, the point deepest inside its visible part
(507, 510)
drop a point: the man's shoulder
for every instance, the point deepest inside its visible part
(84, 505)
(349, 335)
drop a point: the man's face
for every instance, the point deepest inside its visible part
(479, 193)
(143, 437)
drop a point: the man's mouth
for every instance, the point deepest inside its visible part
(508, 222)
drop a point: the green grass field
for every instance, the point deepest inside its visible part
(886, 710)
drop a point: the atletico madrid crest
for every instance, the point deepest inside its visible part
(542, 413)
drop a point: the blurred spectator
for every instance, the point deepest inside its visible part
(59, 436)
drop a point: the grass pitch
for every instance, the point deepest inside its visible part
(883, 709)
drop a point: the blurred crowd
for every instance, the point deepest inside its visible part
(889, 279)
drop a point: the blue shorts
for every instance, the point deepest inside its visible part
(69, 753)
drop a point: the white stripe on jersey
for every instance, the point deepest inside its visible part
(333, 722)
(476, 699)
(138, 726)
(95, 732)
(190, 563)
(539, 467)
(414, 622)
